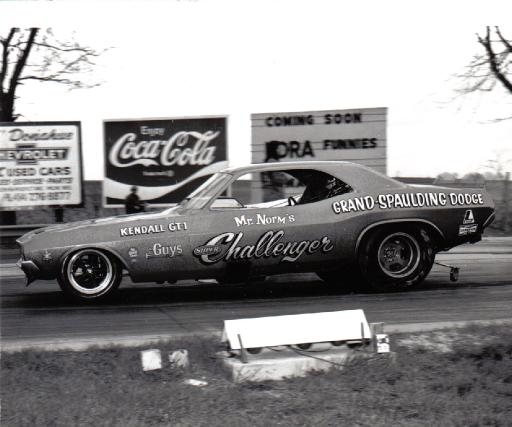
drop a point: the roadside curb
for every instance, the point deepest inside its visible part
(435, 326)
(88, 343)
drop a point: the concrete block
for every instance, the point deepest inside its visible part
(151, 359)
(286, 364)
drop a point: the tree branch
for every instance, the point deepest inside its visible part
(7, 41)
(5, 57)
(22, 61)
(55, 79)
(35, 54)
(502, 119)
(493, 63)
(504, 40)
(52, 78)
(85, 50)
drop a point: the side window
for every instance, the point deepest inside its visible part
(278, 188)
(260, 190)
(321, 186)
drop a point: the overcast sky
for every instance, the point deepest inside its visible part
(213, 57)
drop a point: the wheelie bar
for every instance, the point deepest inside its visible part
(454, 271)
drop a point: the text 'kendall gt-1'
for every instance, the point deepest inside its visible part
(348, 223)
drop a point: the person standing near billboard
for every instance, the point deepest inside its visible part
(132, 203)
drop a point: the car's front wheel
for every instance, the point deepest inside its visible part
(90, 274)
(393, 259)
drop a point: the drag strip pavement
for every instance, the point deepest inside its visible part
(40, 314)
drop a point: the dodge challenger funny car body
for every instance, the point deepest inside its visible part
(341, 220)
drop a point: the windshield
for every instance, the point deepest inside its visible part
(200, 197)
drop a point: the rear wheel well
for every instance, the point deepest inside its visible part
(396, 256)
(432, 231)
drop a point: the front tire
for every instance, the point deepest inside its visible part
(90, 274)
(396, 259)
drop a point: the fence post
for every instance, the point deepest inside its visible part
(506, 201)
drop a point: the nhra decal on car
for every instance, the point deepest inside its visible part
(469, 218)
(151, 229)
(464, 230)
(164, 251)
(226, 247)
(263, 219)
(406, 200)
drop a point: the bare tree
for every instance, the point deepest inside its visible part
(491, 67)
(498, 165)
(34, 54)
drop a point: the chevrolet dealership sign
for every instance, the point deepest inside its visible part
(357, 135)
(40, 165)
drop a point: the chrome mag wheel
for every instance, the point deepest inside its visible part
(398, 255)
(90, 272)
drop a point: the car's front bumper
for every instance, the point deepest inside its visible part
(30, 269)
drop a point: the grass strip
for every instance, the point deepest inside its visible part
(452, 378)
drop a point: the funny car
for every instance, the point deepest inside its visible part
(348, 223)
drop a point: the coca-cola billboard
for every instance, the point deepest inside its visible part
(165, 158)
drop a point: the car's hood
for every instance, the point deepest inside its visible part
(119, 219)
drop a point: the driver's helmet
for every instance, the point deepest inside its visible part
(330, 183)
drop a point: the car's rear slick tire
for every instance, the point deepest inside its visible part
(396, 258)
(90, 275)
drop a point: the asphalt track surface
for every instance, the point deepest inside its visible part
(41, 315)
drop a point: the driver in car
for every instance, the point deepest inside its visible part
(322, 187)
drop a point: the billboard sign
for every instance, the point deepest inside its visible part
(357, 135)
(40, 164)
(166, 159)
